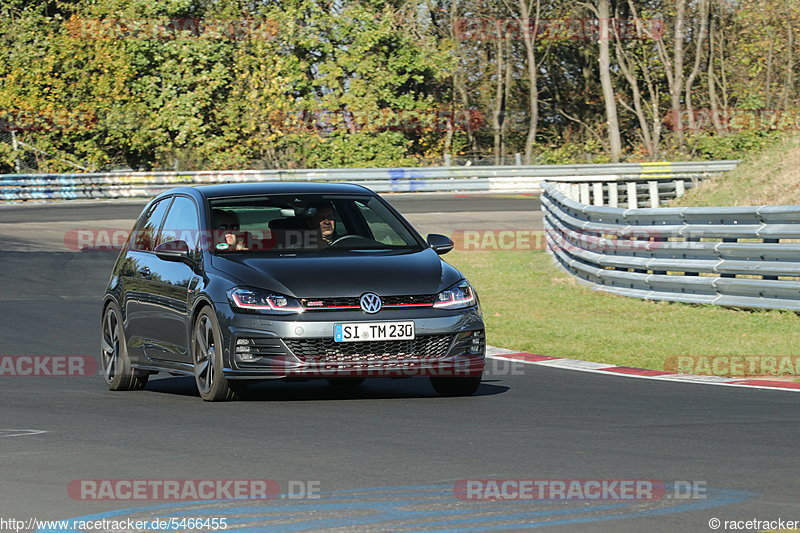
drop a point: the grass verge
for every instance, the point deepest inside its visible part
(534, 307)
(769, 177)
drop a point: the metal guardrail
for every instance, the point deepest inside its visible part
(20, 187)
(644, 192)
(732, 256)
(657, 183)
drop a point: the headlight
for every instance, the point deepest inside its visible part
(256, 300)
(459, 295)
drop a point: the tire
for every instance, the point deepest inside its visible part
(345, 383)
(114, 360)
(207, 350)
(451, 386)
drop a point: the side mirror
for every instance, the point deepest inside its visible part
(441, 244)
(173, 251)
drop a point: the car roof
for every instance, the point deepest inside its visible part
(283, 187)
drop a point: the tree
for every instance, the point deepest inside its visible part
(609, 97)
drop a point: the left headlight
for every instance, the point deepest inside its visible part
(260, 301)
(456, 297)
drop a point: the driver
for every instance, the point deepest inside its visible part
(322, 221)
(227, 233)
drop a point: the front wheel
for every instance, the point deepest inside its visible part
(117, 370)
(456, 386)
(207, 350)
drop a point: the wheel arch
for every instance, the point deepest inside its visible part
(201, 302)
(109, 299)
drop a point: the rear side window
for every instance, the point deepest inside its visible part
(146, 231)
(182, 223)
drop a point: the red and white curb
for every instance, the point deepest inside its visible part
(604, 368)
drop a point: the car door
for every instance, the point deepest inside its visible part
(135, 276)
(170, 283)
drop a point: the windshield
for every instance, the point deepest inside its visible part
(281, 223)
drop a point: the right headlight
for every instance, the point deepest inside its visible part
(458, 296)
(259, 301)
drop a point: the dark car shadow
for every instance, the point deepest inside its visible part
(319, 389)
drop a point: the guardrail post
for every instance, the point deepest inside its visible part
(598, 193)
(729, 239)
(574, 191)
(613, 194)
(585, 194)
(633, 196)
(770, 241)
(680, 188)
(652, 187)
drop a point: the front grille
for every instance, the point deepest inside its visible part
(408, 300)
(322, 304)
(424, 347)
(328, 302)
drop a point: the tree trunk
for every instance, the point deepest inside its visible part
(505, 113)
(461, 98)
(625, 68)
(713, 97)
(676, 88)
(788, 85)
(612, 121)
(529, 37)
(497, 115)
(700, 38)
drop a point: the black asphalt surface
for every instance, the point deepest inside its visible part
(387, 455)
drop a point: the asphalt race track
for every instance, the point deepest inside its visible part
(386, 457)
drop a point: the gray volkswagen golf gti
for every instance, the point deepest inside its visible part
(235, 284)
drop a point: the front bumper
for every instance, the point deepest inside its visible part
(266, 347)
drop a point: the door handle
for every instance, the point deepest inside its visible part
(145, 271)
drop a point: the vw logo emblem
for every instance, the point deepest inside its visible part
(370, 302)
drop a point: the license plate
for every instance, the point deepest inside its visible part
(373, 331)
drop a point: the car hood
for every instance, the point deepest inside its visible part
(326, 275)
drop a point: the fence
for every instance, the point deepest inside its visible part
(731, 256)
(21, 187)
